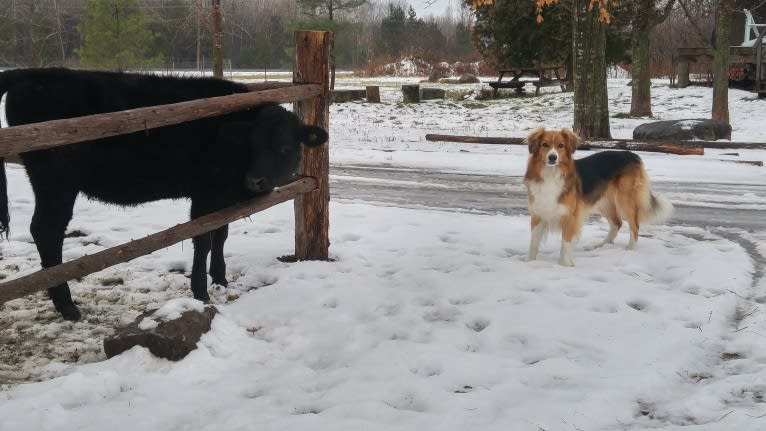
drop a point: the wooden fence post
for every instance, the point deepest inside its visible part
(312, 216)
(683, 75)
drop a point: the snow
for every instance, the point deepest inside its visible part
(171, 310)
(425, 319)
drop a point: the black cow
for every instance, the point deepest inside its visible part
(215, 162)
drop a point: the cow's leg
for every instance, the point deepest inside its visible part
(202, 246)
(217, 263)
(52, 214)
(199, 266)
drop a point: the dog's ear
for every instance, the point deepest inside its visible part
(571, 140)
(535, 139)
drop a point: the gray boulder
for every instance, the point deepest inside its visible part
(683, 130)
(469, 79)
(171, 339)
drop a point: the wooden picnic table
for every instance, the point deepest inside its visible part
(538, 76)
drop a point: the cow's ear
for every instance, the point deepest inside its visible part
(312, 136)
(234, 132)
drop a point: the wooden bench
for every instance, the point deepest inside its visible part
(538, 76)
(496, 85)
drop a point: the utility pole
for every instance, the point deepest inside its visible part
(199, 38)
(218, 38)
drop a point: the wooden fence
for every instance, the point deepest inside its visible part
(310, 94)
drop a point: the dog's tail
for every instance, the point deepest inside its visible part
(658, 210)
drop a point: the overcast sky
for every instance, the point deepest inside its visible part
(437, 8)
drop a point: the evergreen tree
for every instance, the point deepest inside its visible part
(115, 35)
(507, 34)
(392, 31)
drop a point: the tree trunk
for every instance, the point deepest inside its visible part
(721, 62)
(591, 107)
(641, 96)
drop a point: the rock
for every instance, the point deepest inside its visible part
(469, 79)
(171, 339)
(683, 130)
(436, 75)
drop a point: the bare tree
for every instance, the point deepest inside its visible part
(646, 15)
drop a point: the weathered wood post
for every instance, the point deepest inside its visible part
(373, 93)
(312, 216)
(683, 75)
(411, 93)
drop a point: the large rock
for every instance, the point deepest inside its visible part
(436, 75)
(171, 339)
(683, 130)
(469, 79)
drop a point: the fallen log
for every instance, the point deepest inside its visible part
(518, 141)
(746, 162)
(668, 148)
(617, 144)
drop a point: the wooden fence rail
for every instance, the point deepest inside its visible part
(49, 134)
(311, 95)
(88, 264)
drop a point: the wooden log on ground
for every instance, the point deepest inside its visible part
(411, 93)
(38, 136)
(617, 144)
(373, 93)
(89, 264)
(312, 210)
(519, 141)
(653, 147)
(347, 95)
(432, 93)
(745, 162)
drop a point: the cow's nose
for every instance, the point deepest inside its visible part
(255, 184)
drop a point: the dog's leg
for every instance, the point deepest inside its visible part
(538, 231)
(615, 223)
(633, 222)
(569, 231)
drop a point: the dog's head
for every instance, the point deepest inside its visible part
(551, 147)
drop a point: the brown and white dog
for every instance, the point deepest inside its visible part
(562, 191)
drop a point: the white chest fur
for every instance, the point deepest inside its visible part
(545, 195)
(3, 119)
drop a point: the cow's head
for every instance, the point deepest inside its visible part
(274, 140)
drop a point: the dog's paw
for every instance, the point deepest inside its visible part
(566, 262)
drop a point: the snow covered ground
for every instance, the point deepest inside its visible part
(425, 319)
